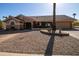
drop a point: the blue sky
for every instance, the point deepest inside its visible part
(28, 9)
(37, 9)
(68, 9)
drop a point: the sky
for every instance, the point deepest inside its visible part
(38, 9)
(68, 9)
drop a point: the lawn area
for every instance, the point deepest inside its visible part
(34, 42)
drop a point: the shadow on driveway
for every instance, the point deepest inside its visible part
(49, 49)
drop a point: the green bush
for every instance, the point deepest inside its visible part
(0, 24)
(76, 23)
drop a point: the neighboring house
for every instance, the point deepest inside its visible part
(30, 22)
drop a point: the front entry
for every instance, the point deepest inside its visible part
(12, 26)
(27, 25)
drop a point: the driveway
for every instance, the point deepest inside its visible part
(6, 37)
(73, 33)
(34, 42)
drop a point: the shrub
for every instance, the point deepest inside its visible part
(0, 24)
(76, 23)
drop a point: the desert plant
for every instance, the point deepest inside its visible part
(76, 23)
(0, 24)
(74, 14)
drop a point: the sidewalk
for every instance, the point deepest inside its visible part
(74, 34)
(17, 54)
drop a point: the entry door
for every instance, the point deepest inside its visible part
(12, 26)
(28, 25)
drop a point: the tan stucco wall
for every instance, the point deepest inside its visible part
(64, 24)
(60, 24)
(4, 25)
(17, 24)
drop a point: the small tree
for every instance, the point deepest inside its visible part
(75, 23)
(0, 24)
(74, 14)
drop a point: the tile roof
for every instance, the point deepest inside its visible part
(42, 18)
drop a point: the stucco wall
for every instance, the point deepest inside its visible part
(16, 24)
(61, 21)
(64, 24)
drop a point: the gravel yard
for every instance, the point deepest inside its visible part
(36, 43)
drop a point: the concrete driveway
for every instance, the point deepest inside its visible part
(34, 42)
(6, 37)
(74, 33)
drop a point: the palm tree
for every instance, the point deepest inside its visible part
(74, 14)
(5, 17)
(54, 17)
(49, 49)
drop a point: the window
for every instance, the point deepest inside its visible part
(12, 23)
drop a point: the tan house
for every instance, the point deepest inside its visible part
(30, 22)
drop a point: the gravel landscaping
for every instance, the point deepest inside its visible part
(34, 42)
